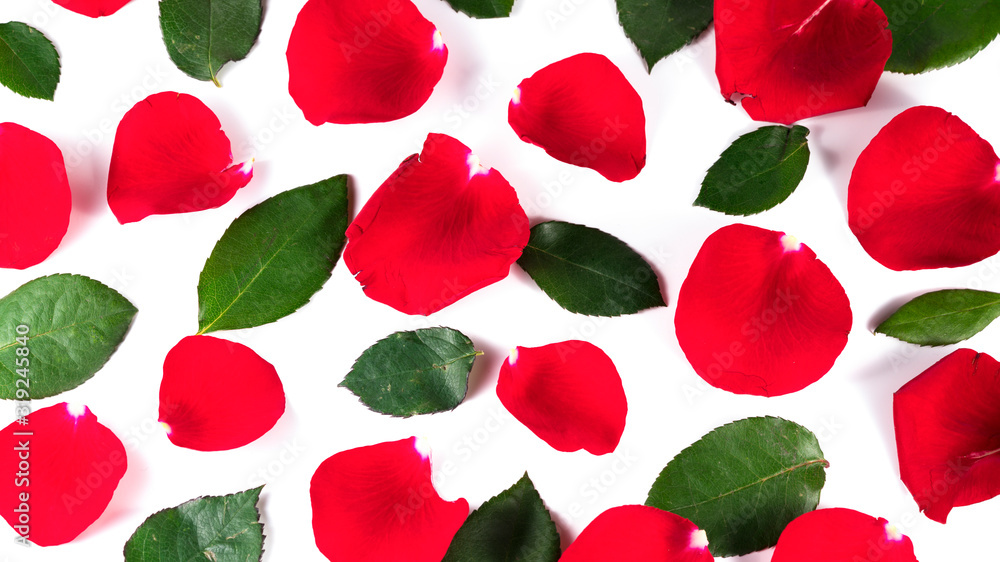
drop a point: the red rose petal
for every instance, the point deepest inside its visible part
(925, 193)
(568, 393)
(441, 227)
(363, 61)
(36, 197)
(639, 532)
(841, 535)
(171, 156)
(759, 314)
(794, 60)
(583, 111)
(217, 394)
(67, 463)
(93, 8)
(947, 423)
(378, 503)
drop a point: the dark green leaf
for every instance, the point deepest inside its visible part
(758, 171)
(274, 257)
(70, 326)
(743, 482)
(417, 372)
(203, 35)
(29, 63)
(513, 525)
(942, 317)
(212, 529)
(483, 8)
(661, 27)
(929, 34)
(588, 271)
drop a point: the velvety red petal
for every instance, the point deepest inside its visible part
(378, 503)
(93, 8)
(568, 393)
(760, 314)
(947, 423)
(583, 111)
(61, 469)
(794, 60)
(639, 532)
(925, 193)
(217, 394)
(441, 227)
(36, 197)
(362, 61)
(841, 535)
(171, 156)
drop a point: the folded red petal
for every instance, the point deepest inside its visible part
(362, 61)
(639, 532)
(568, 393)
(842, 535)
(794, 60)
(218, 395)
(925, 193)
(441, 227)
(379, 503)
(36, 197)
(171, 156)
(760, 314)
(62, 469)
(947, 422)
(583, 111)
(93, 8)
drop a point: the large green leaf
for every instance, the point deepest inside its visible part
(483, 8)
(589, 271)
(929, 34)
(661, 27)
(758, 171)
(743, 482)
(274, 257)
(56, 332)
(514, 525)
(411, 373)
(29, 63)
(203, 35)
(942, 317)
(210, 529)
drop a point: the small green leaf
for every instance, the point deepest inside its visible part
(29, 63)
(409, 373)
(942, 317)
(742, 483)
(212, 529)
(930, 34)
(203, 35)
(514, 525)
(661, 27)
(758, 171)
(483, 9)
(274, 257)
(588, 271)
(56, 332)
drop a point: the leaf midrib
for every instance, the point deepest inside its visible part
(433, 366)
(599, 273)
(757, 482)
(17, 57)
(782, 158)
(943, 314)
(68, 326)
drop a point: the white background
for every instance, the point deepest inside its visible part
(111, 63)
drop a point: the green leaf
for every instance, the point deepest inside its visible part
(661, 27)
(513, 525)
(743, 482)
(942, 317)
(29, 63)
(758, 171)
(210, 529)
(588, 271)
(72, 326)
(483, 9)
(274, 257)
(930, 34)
(203, 35)
(409, 373)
